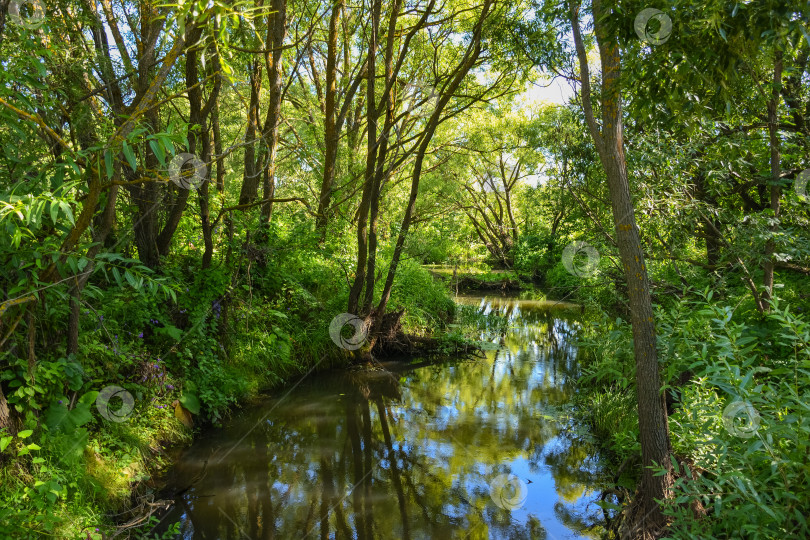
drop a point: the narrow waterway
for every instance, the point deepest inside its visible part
(470, 449)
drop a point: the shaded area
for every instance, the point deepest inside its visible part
(406, 451)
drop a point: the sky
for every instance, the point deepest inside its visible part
(558, 92)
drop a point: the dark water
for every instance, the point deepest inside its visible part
(409, 450)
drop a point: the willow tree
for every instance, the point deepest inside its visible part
(500, 158)
(609, 141)
(395, 135)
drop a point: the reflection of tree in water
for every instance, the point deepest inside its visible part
(359, 455)
(574, 468)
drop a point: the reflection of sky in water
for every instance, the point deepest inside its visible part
(405, 455)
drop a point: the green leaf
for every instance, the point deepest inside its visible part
(174, 333)
(56, 415)
(4, 442)
(59, 417)
(89, 398)
(80, 415)
(130, 155)
(25, 434)
(158, 151)
(190, 402)
(108, 163)
(68, 212)
(34, 446)
(608, 505)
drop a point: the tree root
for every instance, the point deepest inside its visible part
(390, 340)
(503, 285)
(635, 522)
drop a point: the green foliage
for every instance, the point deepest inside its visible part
(748, 469)
(534, 254)
(613, 418)
(752, 477)
(425, 299)
(608, 374)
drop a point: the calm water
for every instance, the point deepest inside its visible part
(408, 451)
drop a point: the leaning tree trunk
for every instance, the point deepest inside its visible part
(371, 160)
(608, 139)
(250, 177)
(459, 73)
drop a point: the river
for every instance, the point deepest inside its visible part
(458, 449)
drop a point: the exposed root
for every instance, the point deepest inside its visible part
(143, 509)
(638, 522)
(505, 284)
(390, 340)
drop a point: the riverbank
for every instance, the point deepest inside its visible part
(187, 361)
(410, 449)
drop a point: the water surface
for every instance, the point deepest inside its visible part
(409, 450)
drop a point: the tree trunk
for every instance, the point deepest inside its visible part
(250, 178)
(652, 414)
(147, 197)
(275, 32)
(331, 131)
(710, 225)
(470, 58)
(101, 233)
(9, 417)
(371, 160)
(776, 172)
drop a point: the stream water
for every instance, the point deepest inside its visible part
(462, 449)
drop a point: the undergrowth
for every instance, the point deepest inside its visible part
(187, 362)
(739, 386)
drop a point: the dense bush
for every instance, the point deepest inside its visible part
(740, 426)
(213, 340)
(425, 300)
